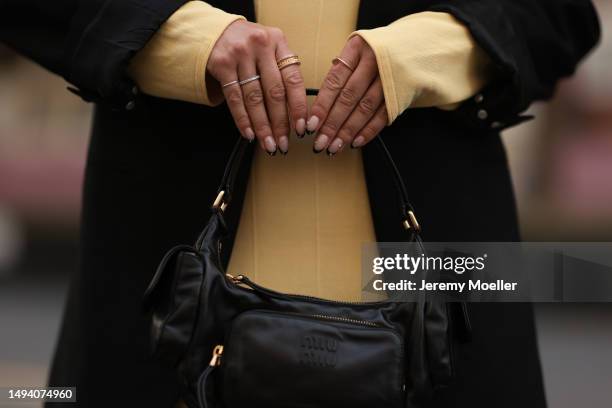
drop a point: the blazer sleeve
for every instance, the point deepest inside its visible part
(532, 44)
(88, 42)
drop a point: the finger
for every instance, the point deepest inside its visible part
(365, 110)
(275, 99)
(296, 92)
(254, 103)
(332, 84)
(348, 98)
(235, 103)
(372, 128)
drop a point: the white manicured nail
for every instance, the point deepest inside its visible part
(248, 132)
(335, 146)
(358, 142)
(300, 127)
(312, 124)
(270, 144)
(283, 144)
(321, 143)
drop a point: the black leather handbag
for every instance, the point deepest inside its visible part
(236, 344)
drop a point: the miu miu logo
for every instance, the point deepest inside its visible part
(318, 351)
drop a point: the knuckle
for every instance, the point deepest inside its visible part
(239, 48)
(259, 36)
(370, 131)
(277, 92)
(294, 78)
(263, 129)
(243, 122)
(366, 106)
(219, 60)
(234, 96)
(298, 109)
(333, 81)
(330, 128)
(254, 97)
(282, 128)
(346, 133)
(347, 97)
(356, 42)
(276, 33)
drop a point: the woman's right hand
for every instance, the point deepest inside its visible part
(259, 107)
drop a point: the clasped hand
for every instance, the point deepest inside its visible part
(266, 101)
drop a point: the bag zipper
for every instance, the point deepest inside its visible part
(215, 362)
(243, 280)
(216, 356)
(342, 319)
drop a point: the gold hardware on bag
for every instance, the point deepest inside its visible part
(216, 356)
(412, 223)
(219, 203)
(235, 279)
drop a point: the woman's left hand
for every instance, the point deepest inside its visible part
(350, 108)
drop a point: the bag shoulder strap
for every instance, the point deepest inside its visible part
(226, 188)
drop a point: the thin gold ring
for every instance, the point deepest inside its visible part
(343, 62)
(289, 60)
(229, 84)
(251, 79)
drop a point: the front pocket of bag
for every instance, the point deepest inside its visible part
(291, 360)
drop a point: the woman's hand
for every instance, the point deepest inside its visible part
(259, 107)
(350, 108)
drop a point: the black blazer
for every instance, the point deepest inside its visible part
(533, 43)
(154, 164)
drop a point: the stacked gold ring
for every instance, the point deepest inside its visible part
(339, 60)
(290, 60)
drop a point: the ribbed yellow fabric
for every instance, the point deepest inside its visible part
(306, 216)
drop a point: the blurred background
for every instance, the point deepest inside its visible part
(561, 165)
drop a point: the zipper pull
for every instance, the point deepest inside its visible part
(216, 356)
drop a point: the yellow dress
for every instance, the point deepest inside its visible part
(306, 216)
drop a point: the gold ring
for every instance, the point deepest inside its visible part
(251, 79)
(229, 84)
(343, 62)
(290, 60)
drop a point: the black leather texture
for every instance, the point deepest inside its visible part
(296, 360)
(290, 350)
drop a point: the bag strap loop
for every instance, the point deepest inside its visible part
(224, 193)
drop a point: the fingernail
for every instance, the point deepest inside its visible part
(283, 144)
(312, 124)
(300, 126)
(334, 147)
(358, 142)
(270, 145)
(248, 132)
(321, 142)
